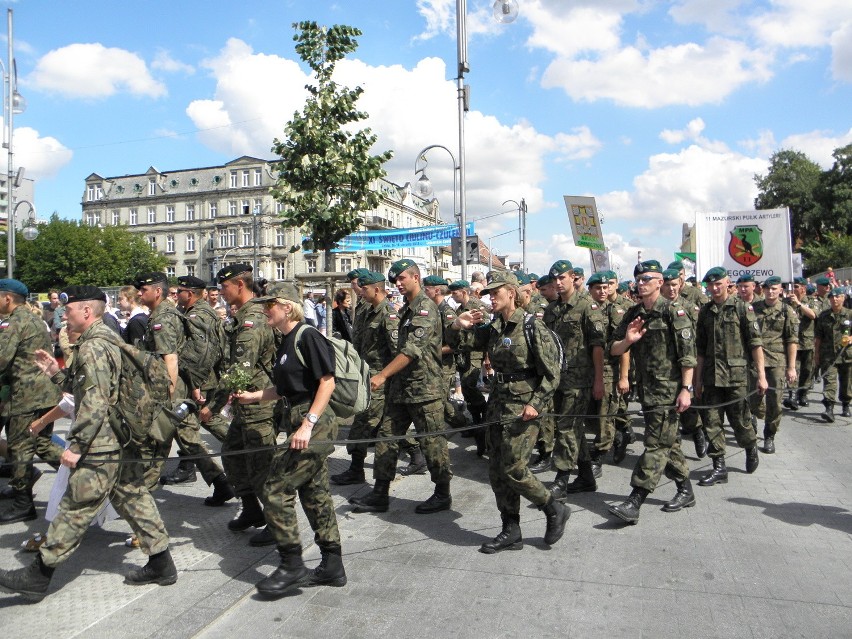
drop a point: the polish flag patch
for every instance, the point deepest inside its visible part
(248, 324)
(424, 313)
(392, 316)
(157, 327)
(681, 313)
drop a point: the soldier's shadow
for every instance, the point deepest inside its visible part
(802, 514)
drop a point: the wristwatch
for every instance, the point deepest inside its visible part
(312, 418)
(687, 388)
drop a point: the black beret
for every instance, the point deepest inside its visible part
(144, 279)
(81, 294)
(188, 281)
(232, 270)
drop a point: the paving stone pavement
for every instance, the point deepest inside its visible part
(766, 555)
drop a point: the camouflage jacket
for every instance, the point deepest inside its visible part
(379, 334)
(93, 380)
(164, 334)
(21, 335)
(806, 324)
(537, 306)
(667, 347)
(779, 327)
(725, 335)
(362, 308)
(830, 330)
(420, 339)
(614, 311)
(693, 295)
(448, 316)
(476, 356)
(581, 328)
(507, 348)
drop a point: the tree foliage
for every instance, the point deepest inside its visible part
(792, 181)
(835, 250)
(69, 253)
(326, 169)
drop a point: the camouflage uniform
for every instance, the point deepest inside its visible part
(692, 296)
(448, 362)
(805, 354)
(416, 393)
(581, 328)
(690, 419)
(726, 334)
(523, 375)
(470, 368)
(21, 335)
(547, 423)
(667, 347)
(613, 402)
(779, 327)
(217, 425)
(93, 379)
(835, 358)
(252, 342)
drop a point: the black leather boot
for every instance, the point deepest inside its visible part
(585, 480)
(629, 510)
(597, 463)
(790, 401)
(289, 572)
(22, 508)
(508, 539)
(160, 569)
(440, 500)
(262, 538)
(619, 446)
(330, 571)
(376, 501)
(557, 515)
(700, 441)
(719, 474)
(768, 442)
(684, 497)
(250, 515)
(31, 582)
(846, 412)
(417, 465)
(752, 459)
(803, 398)
(558, 490)
(183, 474)
(352, 475)
(9, 493)
(222, 492)
(828, 415)
(542, 464)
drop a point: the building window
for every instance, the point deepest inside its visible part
(134, 217)
(190, 270)
(170, 271)
(311, 263)
(258, 206)
(90, 219)
(280, 237)
(246, 174)
(170, 244)
(170, 213)
(190, 212)
(258, 175)
(279, 206)
(245, 207)
(247, 237)
(152, 187)
(213, 211)
(116, 218)
(190, 242)
(94, 192)
(232, 237)
(233, 179)
(223, 238)
(152, 215)
(152, 241)
(280, 270)
(232, 208)
(345, 264)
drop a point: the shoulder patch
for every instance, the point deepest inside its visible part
(681, 312)
(594, 307)
(392, 316)
(419, 332)
(4, 324)
(686, 333)
(248, 324)
(157, 327)
(756, 326)
(750, 307)
(424, 312)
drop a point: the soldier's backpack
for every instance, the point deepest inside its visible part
(204, 348)
(352, 392)
(529, 328)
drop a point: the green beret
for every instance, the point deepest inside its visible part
(523, 278)
(610, 275)
(562, 266)
(398, 267)
(459, 285)
(371, 277)
(434, 280)
(543, 281)
(800, 280)
(715, 274)
(357, 273)
(533, 277)
(230, 271)
(578, 270)
(648, 266)
(772, 281)
(671, 274)
(623, 287)
(279, 290)
(837, 290)
(744, 278)
(496, 279)
(597, 278)
(14, 286)
(677, 265)
(822, 281)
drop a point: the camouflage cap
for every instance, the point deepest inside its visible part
(648, 266)
(822, 281)
(357, 273)
(188, 281)
(371, 277)
(145, 279)
(81, 294)
(232, 270)
(434, 280)
(715, 274)
(398, 267)
(597, 278)
(496, 279)
(800, 280)
(745, 278)
(459, 285)
(772, 281)
(578, 270)
(671, 274)
(837, 290)
(677, 265)
(562, 266)
(14, 286)
(280, 291)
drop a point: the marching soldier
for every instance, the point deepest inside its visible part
(832, 355)
(807, 309)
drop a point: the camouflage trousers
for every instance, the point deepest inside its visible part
(662, 450)
(303, 473)
(247, 471)
(89, 486)
(217, 426)
(772, 400)
(547, 427)
(737, 414)
(570, 437)
(23, 447)
(805, 369)
(834, 377)
(366, 425)
(428, 417)
(510, 442)
(614, 405)
(472, 395)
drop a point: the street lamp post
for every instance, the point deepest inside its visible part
(522, 226)
(424, 189)
(13, 103)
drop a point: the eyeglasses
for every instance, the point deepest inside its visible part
(173, 293)
(270, 303)
(645, 278)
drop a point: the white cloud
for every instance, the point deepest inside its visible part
(439, 15)
(164, 61)
(841, 44)
(817, 145)
(42, 157)
(691, 132)
(93, 71)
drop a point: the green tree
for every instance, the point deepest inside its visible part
(791, 181)
(67, 253)
(835, 250)
(326, 168)
(834, 191)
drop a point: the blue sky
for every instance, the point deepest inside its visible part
(658, 109)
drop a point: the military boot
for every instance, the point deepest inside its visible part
(846, 412)
(262, 538)
(352, 475)
(440, 500)
(557, 515)
(30, 582)
(597, 463)
(803, 398)
(828, 415)
(376, 501)
(183, 474)
(619, 446)
(585, 480)
(700, 441)
(250, 515)
(684, 497)
(629, 510)
(330, 571)
(22, 508)
(719, 474)
(417, 465)
(508, 539)
(160, 569)
(542, 464)
(768, 442)
(9, 493)
(790, 401)
(222, 492)
(479, 438)
(557, 491)
(752, 459)
(289, 572)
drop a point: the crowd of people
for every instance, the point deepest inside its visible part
(546, 367)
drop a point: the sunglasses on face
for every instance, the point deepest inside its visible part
(645, 278)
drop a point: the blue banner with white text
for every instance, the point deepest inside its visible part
(437, 235)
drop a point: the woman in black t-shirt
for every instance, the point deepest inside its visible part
(304, 375)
